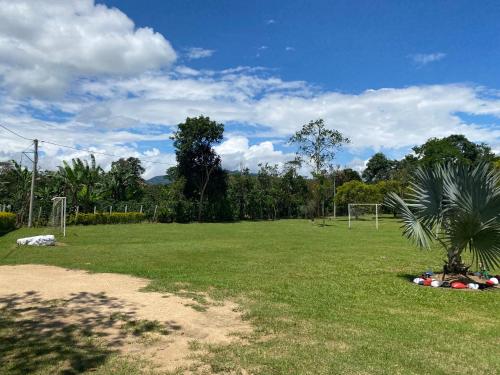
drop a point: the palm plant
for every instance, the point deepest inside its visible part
(456, 206)
(81, 180)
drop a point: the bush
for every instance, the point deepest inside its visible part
(165, 215)
(7, 222)
(106, 218)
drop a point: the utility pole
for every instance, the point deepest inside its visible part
(33, 180)
(334, 194)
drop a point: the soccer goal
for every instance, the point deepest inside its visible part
(58, 215)
(360, 210)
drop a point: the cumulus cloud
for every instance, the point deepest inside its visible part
(194, 53)
(357, 164)
(237, 153)
(147, 107)
(45, 44)
(426, 58)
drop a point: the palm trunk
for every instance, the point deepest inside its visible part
(454, 264)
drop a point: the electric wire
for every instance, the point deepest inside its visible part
(84, 149)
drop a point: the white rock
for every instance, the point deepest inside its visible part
(418, 280)
(48, 240)
(436, 283)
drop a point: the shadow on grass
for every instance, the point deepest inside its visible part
(68, 336)
(407, 276)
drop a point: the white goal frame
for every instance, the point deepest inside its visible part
(62, 202)
(364, 204)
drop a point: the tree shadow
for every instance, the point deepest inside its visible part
(67, 336)
(407, 276)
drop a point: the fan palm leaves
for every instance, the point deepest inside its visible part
(457, 206)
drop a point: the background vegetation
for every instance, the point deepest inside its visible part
(198, 188)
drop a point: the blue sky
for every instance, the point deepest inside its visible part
(117, 76)
(338, 45)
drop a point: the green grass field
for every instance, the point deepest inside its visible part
(323, 300)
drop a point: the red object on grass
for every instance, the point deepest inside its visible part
(458, 285)
(427, 282)
(490, 282)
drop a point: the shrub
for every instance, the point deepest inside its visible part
(106, 218)
(7, 222)
(165, 215)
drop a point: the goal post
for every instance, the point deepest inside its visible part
(352, 206)
(58, 215)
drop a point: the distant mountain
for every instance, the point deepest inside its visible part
(158, 180)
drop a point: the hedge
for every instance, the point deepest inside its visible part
(106, 218)
(7, 222)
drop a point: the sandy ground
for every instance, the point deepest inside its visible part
(161, 328)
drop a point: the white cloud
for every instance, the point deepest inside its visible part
(357, 164)
(289, 49)
(194, 53)
(263, 106)
(45, 44)
(270, 21)
(237, 153)
(426, 58)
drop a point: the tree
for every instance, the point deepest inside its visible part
(80, 180)
(358, 192)
(292, 189)
(268, 182)
(16, 183)
(404, 169)
(454, 148)
(457, 206)
(197, 161)
(241, 185)
(345, 175)
(378, 168)
(318, 145)
(124, 181)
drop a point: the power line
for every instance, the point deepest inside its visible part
(101, 153)
(17, 134)
(83, 149)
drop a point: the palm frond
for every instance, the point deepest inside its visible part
(413, 226)
(426, 195)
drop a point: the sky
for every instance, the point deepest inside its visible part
(116, 77)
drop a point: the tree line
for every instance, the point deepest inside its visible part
(200, 189)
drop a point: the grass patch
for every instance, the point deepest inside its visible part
(323, 300)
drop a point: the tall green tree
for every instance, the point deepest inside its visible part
(317, 145)
(378, 168)
(454, 148)
(345, 175)
(197, 161)
(124, 181)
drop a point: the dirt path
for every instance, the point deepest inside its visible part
(51, 301)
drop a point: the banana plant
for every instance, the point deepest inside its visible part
(456, 207)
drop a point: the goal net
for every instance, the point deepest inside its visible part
(58, 214)
(363, 211)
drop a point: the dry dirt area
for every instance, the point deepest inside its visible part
(161, 328)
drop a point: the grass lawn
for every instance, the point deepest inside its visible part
(323, 300)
